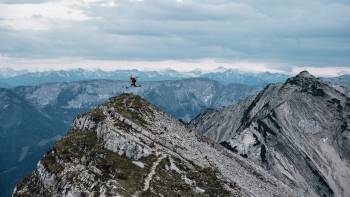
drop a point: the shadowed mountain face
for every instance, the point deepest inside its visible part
(299, 131)
(129, 147)
(34, 117)
(25, 134)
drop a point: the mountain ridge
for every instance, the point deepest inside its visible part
(129, 129)
(61, 102)
(256, 110)
(296, 130)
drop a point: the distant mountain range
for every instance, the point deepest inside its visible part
(341, 83)
(181, 98)
(34, 117)
(14, 78)
(343, 80)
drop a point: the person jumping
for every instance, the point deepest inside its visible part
(133, 81)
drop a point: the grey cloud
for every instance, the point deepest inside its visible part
(297, 32)
(22, 1)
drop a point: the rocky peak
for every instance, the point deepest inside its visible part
(297, 130)
(304, 74)
(131, 106)
(127, 146)
(307, 83)
(302, 79)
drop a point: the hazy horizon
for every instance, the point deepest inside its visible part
(254, 36)
(319, 72)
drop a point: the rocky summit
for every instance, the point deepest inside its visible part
(34, 117)
(298, 131)
(128, 147)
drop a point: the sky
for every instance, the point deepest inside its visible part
(252, 35)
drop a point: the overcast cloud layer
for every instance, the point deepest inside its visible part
(279, 33)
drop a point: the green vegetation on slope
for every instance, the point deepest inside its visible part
(169, 182)
(87, 149)
(131, 107)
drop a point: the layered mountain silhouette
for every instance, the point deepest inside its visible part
(181, 98)
(298, 131)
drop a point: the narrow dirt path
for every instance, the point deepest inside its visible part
(152, 172)
(150, 175)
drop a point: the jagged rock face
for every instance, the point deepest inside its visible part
(297, 130)
(129, 147)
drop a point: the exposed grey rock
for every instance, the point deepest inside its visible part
(97, 157)
(298, 131)
(34, 117)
